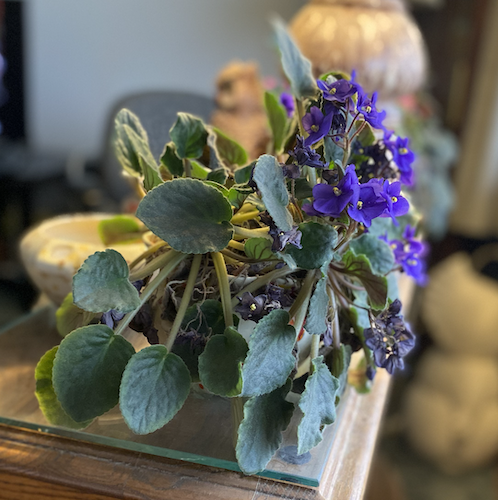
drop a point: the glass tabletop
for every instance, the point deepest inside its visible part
(200, 433)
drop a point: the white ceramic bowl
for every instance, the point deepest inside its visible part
(54, 250)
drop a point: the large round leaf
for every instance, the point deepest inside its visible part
(102, 284)
(87, 371)
(188, 214)
(45, 394)
(154, 387)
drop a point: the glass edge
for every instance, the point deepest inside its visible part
(156, 451)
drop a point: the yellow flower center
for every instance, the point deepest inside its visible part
(394, 199)
(337, 191)
(314, 128)
(252, 307)
(411, 262)
(368, 109)
(359, 204)
(333, 91)
(393, 246)
(403, 151)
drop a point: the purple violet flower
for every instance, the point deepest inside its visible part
(316, 124)
(397, 205)
(389, 338)
(337, 91)
(111, 318)
(367, 107)
(368, 202)
(332, 200)
(287, 101)
(304, 155)
(281, 238)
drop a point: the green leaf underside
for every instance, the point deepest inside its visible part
(375, 286)
(318, 406)
(119, 229)
(269, 178)
(219, 365)
(172, 211)
(243, 174)
(260, 432)
(229, 150)
(259, 249)
(102, 284)
(154, 387)
(189, 135)
(150, 173)
(378, 252)
(270, 360)
(332, 151)
(277, 117)
(318, 242)
(295, 65)
(125, 147)
(69, 316)
(316, 321)
(171, 161)
(87, 371)
(45, 394)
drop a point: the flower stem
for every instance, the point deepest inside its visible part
(174, 260)
(187, 295)
(225, 296)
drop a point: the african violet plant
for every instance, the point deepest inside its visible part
(305, 240)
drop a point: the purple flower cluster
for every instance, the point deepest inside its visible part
(409, 252)
(303, 155)
(364, 202)
(281, 238)
(389, 338)
(253, 308)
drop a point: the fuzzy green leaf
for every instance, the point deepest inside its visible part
(259, 249)
(359, 267)
(341, 358)
(269, 178)
(102, 284)
(277, 117)
(318, 242)
(270, 359)
(188, 214)
(260, 432)
(230, 151)
(316, 321)
(295, 65)
(150, 173)
(68, 316)
(318, 405)
(154, 387)
(379, 254)
(119, 229)
(87, 371)
(243, 174)
(189, 135)
(45, 394)
(170, 159)
(130, 139)
(332, 151)
(219, 364)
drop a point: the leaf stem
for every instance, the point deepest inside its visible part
(174, 260)
(242, 217)
(261, 232)
(150, 251)
(187, 295)
(237, 245)
(187, 167)
(152, 266)
(299, 308)
(225, 296)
